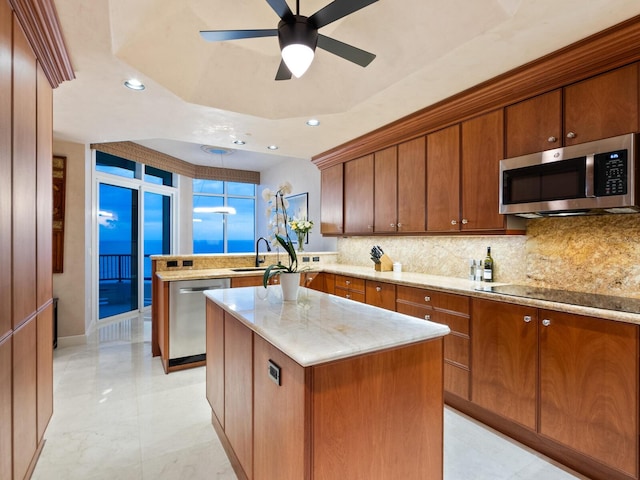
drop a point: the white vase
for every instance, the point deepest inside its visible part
(290, 282)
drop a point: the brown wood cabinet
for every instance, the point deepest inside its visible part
(215, 360)
(331, 200)
(453, 311)
(385, 204)
(25, 408)
(6, 400)
(350, 287)
(482, 150)
(238, 385)
(44, 358)
(412, 194)
(358, 195)
(534, 125)
(279, 415)
(313, 280)
(505, 359)
(600, 107)
(6, 323)
(603, 106)
(589, 387)
(380, 294)
(443, 180)
(319, 422)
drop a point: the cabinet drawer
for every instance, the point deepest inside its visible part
(456, 380)
(457, 323)
(350, 283)
(439, 300)
(456, 349)
(418, 311)
(380, 294)
(349, 294)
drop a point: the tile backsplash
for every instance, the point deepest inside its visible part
(597, 254)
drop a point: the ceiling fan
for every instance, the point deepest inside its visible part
(298, 35)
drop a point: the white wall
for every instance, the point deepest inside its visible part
(304, 176)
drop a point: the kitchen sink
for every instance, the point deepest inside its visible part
(249, 269)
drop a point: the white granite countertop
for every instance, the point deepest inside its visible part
(318, 327)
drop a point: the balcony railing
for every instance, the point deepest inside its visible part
(117, 267)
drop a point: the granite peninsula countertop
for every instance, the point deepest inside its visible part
(318, 327)
(613, 306)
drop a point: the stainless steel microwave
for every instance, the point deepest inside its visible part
(589, 178)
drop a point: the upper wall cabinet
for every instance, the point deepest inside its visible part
(358, 195)
(331, 185)
(412, 180)
(385, 187)
(600, 107)
(482, 150)
(443, 180)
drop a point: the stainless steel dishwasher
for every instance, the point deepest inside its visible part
(187, 319)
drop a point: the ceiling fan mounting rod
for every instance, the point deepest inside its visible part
(297, 7)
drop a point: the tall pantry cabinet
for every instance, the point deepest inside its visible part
(26, 306)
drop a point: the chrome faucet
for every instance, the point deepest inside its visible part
(258, 260)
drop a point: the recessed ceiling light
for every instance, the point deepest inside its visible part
(313, 122)
(239, 142)
(215, 150)
(272, 147)
(134, 84)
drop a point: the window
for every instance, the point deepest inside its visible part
(215, 232)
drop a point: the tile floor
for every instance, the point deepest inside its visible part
(117, 416)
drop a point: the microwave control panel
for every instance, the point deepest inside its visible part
(611, 173)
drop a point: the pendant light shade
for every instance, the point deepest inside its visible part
(298, 42)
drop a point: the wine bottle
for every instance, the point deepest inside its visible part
(488, 266)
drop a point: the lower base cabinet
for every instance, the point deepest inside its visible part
(6, 433)
(565, 384)
(375, 416)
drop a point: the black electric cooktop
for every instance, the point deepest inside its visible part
(605, 302)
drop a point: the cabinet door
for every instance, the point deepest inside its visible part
(482, 150)
(358, 195)
(331, 194)
(589, 387)
(381, 294)
(238, 390)
(602, 106)
(280, 440)
(45, 369)
(215, 360)
(386, 190)
(5, 173)
(246, 281)
(24, 178)
(534, 125)
(443, 180)
(24, 397)
(504, 357)
(412, 178)
(6, 433)
(314, 281)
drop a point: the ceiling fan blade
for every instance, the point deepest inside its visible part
(281, 8)
(221, 35)
(336, 10)
(346, 51)
(283, 72)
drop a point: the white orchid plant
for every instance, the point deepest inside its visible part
(278, 235)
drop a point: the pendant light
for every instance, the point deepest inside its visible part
(298, 40)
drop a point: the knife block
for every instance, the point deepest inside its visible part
(385, 265)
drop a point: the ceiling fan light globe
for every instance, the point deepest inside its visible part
(298, 58)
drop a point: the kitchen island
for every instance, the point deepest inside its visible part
(323, 387)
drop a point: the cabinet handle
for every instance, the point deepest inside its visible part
(378, 289)
(465, 221)
(454, 222)
(571, 135)
(527, 318)
(392, 225)
(427, 317)
(399, 225)
(552, 139)
(546, 322)
(347, 296)
(427, 299)
(370, 227)
(348, 282)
